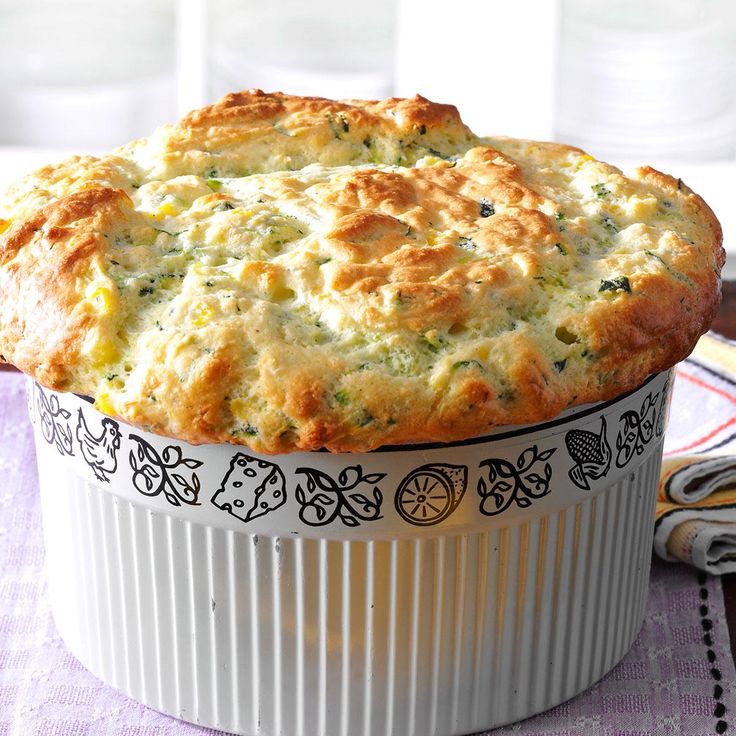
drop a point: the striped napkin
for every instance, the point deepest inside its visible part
(696, 508)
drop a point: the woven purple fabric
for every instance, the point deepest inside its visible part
(679, 678)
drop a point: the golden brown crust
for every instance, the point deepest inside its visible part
(296, 273)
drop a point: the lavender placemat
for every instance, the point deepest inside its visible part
(678, 679)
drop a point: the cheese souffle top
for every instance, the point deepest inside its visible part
(295, 273)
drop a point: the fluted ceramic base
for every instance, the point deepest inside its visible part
(276, 636)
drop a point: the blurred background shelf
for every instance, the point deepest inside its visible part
(633, 83)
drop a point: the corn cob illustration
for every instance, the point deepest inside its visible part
(591, 453)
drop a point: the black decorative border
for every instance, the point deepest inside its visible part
(519, 484)
(429, 494)
(153, 473)
(230, 498)
(591, 454)
(100, 453)
(353, 496)
(324, 499)
(637, 430)
(54, 420)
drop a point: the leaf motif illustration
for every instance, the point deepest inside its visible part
(171, 455)
(547, 454)
(64, 413)
(482, 488)
(523, 502)
(374, 477)
(322, 498)
(505, 469)
(139, 451)
(131, 460)
(502, 487)
(179, 479)
(317, 478)
(195, 484)
(344, 478)
(172, 499)
(535, 479)
(151, 471)
(527, 458)
(338, 498)
(191, 463)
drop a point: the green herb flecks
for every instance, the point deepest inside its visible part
(434, 343)
(560, 365)
(609, 224)
(467, 364)
(169, 233)
(656, 257)
(560, 247)
(601, 191)
(565, 335)
(214, 184)
(443, 156)
(620, 283)
(486, 208)
(364, 418)
(466, 243)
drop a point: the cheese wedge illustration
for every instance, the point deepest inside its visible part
(251, 488)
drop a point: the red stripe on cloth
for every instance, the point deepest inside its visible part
(704, 384)
(709, 387)
(700, 440)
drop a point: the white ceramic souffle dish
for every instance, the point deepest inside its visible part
(421, 590)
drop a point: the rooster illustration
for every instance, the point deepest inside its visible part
(100, 452)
